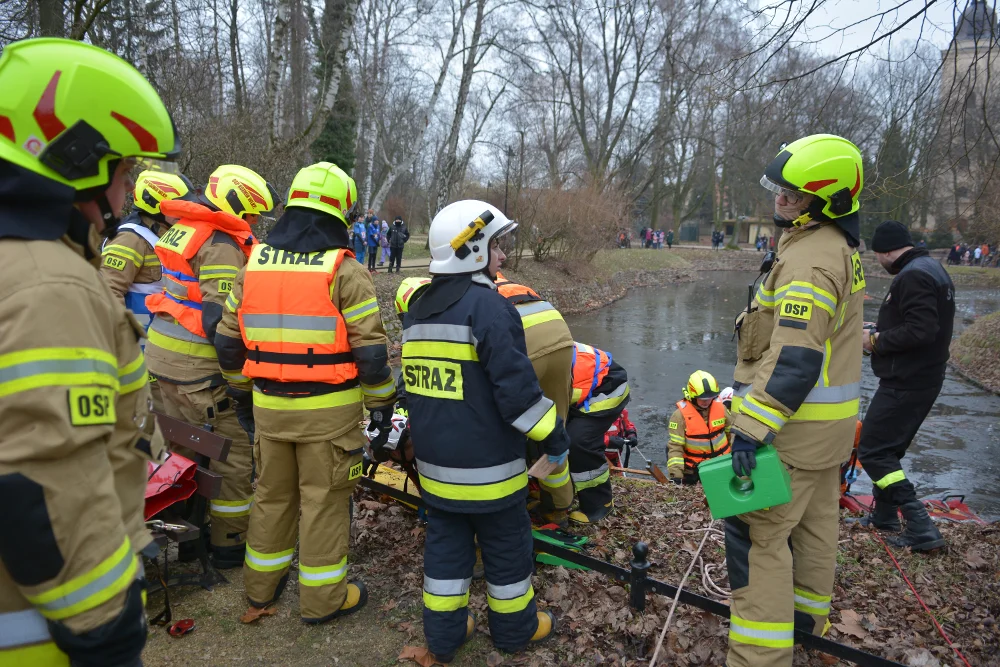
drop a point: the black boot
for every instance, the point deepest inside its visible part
(883, 516)
(224, 558)
(921, 534)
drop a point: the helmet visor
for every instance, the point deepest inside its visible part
(504, 239)
(143, 163)
(793, 196)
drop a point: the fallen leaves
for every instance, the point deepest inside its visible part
(974, 560)
(255, 613)
(850, 624)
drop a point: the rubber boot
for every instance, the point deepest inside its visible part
(225, 558)
(546, 627)
(558, 517)
(470, 629)
(594, 517)
(357, 597)
(479, 570)
(278, 590)
(921, 534)
(883, 516)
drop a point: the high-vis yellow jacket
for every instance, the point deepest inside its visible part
(798, 377)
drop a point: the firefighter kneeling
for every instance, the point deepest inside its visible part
(473, 400)
(699, 428)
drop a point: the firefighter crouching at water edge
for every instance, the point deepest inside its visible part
(200, 256)
(129, 264)
(699, 428)
(74, 401)
(302, 333)
(550, 350)
(797, 387)
(600, 393)
(473, 401)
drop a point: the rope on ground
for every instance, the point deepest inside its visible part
(920, 599)
(677, 595)
(707, 581)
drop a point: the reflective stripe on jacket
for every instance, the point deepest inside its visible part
(181, 297)
(703, 439)
(292, 330)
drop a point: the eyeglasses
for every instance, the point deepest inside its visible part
(792, 196)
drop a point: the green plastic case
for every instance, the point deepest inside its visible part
(728, 495)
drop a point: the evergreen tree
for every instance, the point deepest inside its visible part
(336, 142)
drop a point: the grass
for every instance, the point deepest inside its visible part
(975, 275)
(608, 262)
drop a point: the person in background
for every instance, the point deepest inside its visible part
(670, 239)
(398, 236)
(977, 254)
(699, 428)
(909, 347)
(359, 236)
(384, 242)
(374, 231)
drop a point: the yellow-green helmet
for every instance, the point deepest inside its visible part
(238, 190)
(409, 290)
(152, 187)
(323, 187)
(824, 165)
(701, 384)
(68, 109)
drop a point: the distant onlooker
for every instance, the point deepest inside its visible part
(359, 238)
(649, 237)
(384, 242)
(670, 239)
(398, 236)
(374, 230)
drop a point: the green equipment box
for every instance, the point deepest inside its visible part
(728, 495)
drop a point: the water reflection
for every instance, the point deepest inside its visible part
(662, 335)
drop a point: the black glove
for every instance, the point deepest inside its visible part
(677, 480)
(744, 454)
(243, 406)
(616, 442)
(379, 428)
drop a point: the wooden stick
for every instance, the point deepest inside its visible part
(542, 468)
(632, 471)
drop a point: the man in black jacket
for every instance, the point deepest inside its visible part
(398, 236)
(909, 347)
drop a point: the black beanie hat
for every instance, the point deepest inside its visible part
(891, 235)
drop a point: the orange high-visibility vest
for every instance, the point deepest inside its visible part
(291, 329)
(514, 292)
(590, 366)
(704, 439)
(181, 295)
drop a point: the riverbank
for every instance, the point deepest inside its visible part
(872, 606)
(976, 353)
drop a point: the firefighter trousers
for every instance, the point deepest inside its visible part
(199, 405)
(303, 492)
(449, 555)
(555, 376)
(588, 466)
(781, 564)
(892, 420)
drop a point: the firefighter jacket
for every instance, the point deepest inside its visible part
(303, 332)
(798, 375)
(77, 432)
(129, 265)
(545, 330)
(600, 386)
(469, 381)
(696, 437)
(200, 257)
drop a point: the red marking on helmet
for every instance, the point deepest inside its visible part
(45, 110)
(147, 142)
(251, 193)
(815, 186)
(6, 128)
(213, 182)
(331, 201)
(857, 183)
(348, 204)
(164, 187)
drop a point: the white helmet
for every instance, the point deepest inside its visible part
(460, 236)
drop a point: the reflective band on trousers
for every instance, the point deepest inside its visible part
(263, 562)
(57, 366)
(22, 628)
(892, 478)
(757, 633)
(810, 603)
(509, 598)
(454, 333)
(231, 508)
(591, 478)
(323, 575)
(445, 595)
(93, 588)
(556, 479)
(132, 376)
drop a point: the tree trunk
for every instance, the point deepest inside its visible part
(51, 21)
(234, 37)
(175, 17)
(365, 195)
(276, 61)
(298, 66)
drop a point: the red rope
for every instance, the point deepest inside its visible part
(919, 599)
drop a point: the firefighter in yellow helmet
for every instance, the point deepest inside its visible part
(129, 265)
(550, 349)
(302, 333)
(199, 257)
(797, 387)
(74, 402)
(699, 428)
